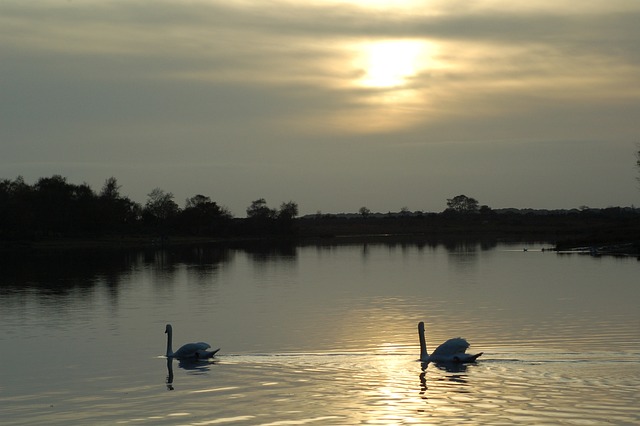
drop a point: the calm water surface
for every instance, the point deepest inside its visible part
(320, 335)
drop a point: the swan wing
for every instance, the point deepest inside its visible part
(190, 350)
(454, 346)
(453, 351)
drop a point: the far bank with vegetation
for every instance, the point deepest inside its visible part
(53, 212)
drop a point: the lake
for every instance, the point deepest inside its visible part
(320, 334)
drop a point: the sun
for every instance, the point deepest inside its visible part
(388, 64)
(385, 82)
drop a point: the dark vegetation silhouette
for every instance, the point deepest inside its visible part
(461, 204)
(638, 163)
(54, 210)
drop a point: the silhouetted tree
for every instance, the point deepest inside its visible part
(110, 189)
(288, 211)
(84, 209)
(63, 208)
(51, 207)
(259, 210)
(160, 209)
(130, 210)
(485, 210)
(197, 201)
(160, 204)
(364, 212)
(117, 213)
(16, 208)
(263, 220)
(462, 204)
(201, 215)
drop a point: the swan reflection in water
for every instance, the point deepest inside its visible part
(456, 375)
(193, 366)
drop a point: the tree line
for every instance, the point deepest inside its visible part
(53, 207)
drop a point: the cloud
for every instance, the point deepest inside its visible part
(272, 91)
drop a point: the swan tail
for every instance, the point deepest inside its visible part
(474, 357)
(464, 358)
(206, 354)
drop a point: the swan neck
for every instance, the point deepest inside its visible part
(169, 338)
(423, 344)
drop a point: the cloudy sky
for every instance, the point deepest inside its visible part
(332, 104)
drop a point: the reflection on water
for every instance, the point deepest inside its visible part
(192, 366)
(322, 334)
(169, 373)
(61, 271)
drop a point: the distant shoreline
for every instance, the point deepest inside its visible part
(594, 241)
(614, 230)
(56, 215)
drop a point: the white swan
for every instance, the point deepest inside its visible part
(453, 350)
(188, 351)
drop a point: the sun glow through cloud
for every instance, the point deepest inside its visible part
(389, 78)
(392, 63)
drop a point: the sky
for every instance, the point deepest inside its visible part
(334, 105)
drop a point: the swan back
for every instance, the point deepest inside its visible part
(454, 346)
(191, 350)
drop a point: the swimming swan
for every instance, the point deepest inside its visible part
(190, 350)
(453, 350)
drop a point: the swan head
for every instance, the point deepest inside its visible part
(421, 327)
(167, 328)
